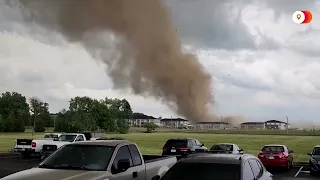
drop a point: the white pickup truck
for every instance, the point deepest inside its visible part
(67, 138)
(36, 144)
(28, 147)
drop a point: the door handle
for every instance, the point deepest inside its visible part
(134, 174)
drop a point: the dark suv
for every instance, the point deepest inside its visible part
(182, 147)
(314, 161)
(206, 166)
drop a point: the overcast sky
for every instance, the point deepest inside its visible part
(264, 66)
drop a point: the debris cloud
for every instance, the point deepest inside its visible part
(146, 54)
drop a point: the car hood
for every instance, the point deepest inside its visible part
(57, 174)
(317, 157)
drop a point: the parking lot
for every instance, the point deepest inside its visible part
(11, 164)
(296, 173)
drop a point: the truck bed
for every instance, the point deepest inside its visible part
(157, 165)
(153, 158)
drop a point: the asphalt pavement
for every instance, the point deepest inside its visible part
(296, 173)
(13, 163)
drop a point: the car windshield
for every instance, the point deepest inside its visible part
(176, 143)
(203, 171)
(316, 151)
(79, 157)
(67, 137)
(222, 147)
(272, 149)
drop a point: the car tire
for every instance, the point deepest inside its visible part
(312, 173)
(288, 167)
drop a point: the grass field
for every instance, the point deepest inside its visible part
(151, 143)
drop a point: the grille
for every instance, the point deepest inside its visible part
(49, 147)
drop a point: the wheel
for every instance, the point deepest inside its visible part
(312, 173)
(288, 166)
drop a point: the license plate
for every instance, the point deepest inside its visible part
(173, 150)
(271, 157)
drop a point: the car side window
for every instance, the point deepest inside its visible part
(256, 169)
(247, 171)
(198, 143)
(190, 143)
(123, 153)
(136, 158)
(80, 138)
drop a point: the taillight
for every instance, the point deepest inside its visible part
(184, 149)
(260, 155)
(33, 144)
(282, 156)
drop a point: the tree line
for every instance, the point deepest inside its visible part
(83, 115)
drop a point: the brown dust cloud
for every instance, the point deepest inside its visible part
(150, 58)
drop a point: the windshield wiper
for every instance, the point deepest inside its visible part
(65, 167)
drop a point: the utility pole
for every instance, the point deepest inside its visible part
(287, 125)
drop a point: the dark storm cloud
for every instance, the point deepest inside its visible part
(206, 23)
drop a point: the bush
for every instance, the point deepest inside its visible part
(150, 127)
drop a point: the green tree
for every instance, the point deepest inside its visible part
(9, 123)
(150, 127)
(103, 116)
(82, 116)
(17, 105)
(63, 121)
(19, 125)
(120, 111)
(1, 124)
(40, 114)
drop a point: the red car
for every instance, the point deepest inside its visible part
(276, 156)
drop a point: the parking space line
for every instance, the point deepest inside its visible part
(298, 171)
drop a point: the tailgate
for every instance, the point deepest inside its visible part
(24, 141)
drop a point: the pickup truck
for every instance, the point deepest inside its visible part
(28, 147)
(98, 160)
(66, 138)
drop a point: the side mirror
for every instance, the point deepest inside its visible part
(290, 151)
(55, 139)
(202, 145)
(309, 154)
(123, 165)
(157, 177)
(241, 151)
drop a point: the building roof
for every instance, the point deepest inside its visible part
(275, 121)
(216, 122)
(251, 123)
(141, 116)
(173, 119)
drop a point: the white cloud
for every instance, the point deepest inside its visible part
(256, 82)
